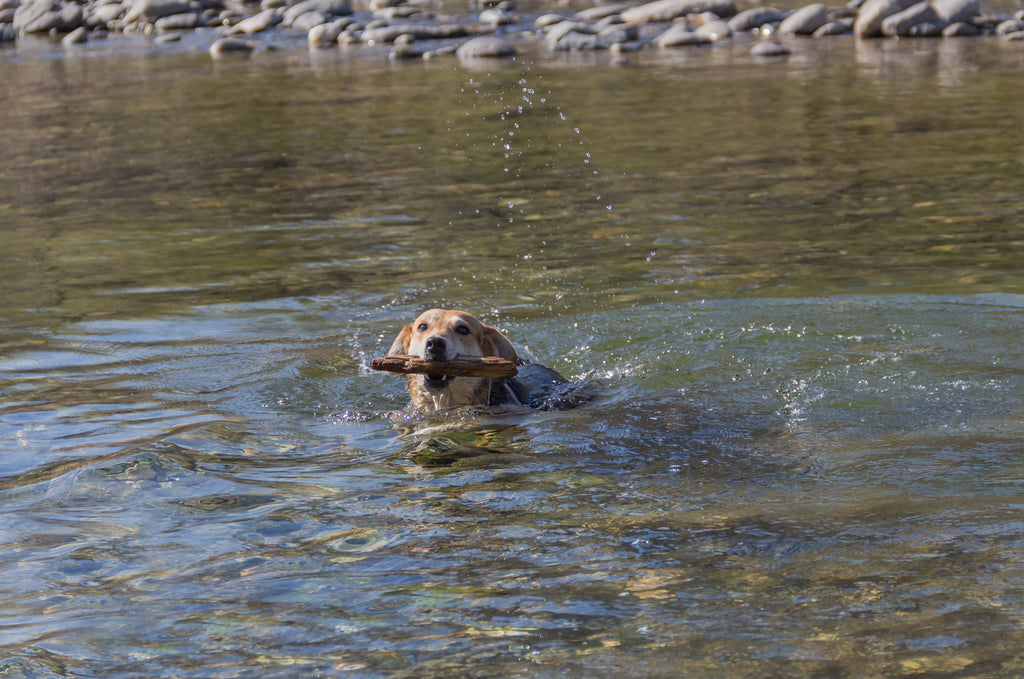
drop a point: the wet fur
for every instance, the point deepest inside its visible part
(440, 334)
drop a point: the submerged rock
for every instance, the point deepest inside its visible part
(769, 48)
(226, 46)
(486, 46)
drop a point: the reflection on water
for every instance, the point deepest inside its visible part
(793, 287)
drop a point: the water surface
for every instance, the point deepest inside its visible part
(793, 288)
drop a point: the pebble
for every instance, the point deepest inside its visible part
(805, 21)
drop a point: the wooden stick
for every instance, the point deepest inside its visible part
(461, 366)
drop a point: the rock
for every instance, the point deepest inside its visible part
(7, 33)
(952, 11)
(226, 46)
(7, 15)
(833, 28)
(757, 17)
(601, 11)
(78, 36)
(329, 8)
(545, 20)
(805, 20)
(307, 20)
(496, 16)
(961, 29)
(389, 34)
(619, 33)
(927, 30)
(177, 22)
(486, 46)
(326, 34)
(257, 23)
(1014, 35)
(392, 13)
(405, 51)
(560, 30)
(714, 30)
(873, 12)
(1010, 26)
(574, 40)
(43, 16)
(769, 48)
(904, 23)
(678, 35)
(151, 10)
(667, 10)
(104, 14)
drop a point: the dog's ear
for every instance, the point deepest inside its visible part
(400, 347)
(496, 344)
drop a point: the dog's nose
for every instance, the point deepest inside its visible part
(437, 348)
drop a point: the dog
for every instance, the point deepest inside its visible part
(441, 335)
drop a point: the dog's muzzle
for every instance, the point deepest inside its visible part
(436, 349)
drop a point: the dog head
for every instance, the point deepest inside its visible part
(441, 335)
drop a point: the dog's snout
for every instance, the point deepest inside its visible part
(437, 348)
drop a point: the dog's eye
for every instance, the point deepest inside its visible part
(462, 329)
(422, 327)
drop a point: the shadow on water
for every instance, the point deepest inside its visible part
(795, 288)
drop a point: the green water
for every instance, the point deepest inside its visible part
(792, 288)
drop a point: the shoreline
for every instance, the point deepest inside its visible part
(400, 31)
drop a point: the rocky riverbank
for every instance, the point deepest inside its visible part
(412, 29)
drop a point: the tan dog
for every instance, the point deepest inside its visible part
(441, 335)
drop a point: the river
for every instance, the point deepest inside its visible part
(791, 290)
